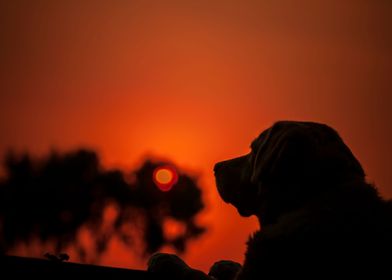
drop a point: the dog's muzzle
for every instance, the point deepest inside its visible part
(228, 177)
(219, 180)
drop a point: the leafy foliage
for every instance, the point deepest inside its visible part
(52, 199)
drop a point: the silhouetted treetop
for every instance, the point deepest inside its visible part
(53, 198)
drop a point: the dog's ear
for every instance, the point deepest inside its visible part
(281, 152)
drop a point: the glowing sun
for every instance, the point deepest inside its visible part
(165, 177)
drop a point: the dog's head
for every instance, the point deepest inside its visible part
(289, 163)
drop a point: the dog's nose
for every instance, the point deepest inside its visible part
(218, 166)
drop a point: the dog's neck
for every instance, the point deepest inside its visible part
(283, 223)
(353, 190)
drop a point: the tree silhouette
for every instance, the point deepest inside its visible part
(52, 199)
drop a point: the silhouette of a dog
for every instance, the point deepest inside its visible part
(317, 213)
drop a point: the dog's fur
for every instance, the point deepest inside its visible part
(316, 210)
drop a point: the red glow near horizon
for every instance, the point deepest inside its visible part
(193, 83)
(165, 177)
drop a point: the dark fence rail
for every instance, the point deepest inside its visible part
(12, 267)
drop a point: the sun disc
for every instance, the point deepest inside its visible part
(165, 177)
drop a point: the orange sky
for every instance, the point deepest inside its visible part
(194, 81)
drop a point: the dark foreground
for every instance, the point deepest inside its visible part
(14, 267)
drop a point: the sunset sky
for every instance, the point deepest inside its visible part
(195, 82)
